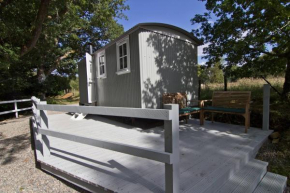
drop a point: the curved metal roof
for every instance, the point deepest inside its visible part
(195, 39)
(143, 25)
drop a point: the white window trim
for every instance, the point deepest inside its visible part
(105, 64)
(125, 70)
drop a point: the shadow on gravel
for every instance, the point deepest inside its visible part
(9, 147)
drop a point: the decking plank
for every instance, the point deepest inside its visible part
(243, 175)
(197, 172)
(124, 173)
(161, 183)
(249, 183)
(236, 159)
(272, 183)
(116, 130)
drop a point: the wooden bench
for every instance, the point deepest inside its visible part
(182, 101)
(229, 102)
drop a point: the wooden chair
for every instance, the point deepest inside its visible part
(182, 101)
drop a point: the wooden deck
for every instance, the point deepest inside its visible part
(215, 157)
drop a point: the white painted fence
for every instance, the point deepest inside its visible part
(171, 134)
(16, 110)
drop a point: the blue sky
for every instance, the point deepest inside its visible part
(172, 12)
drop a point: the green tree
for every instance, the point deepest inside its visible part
(48, 37)
(262, 67)
(216, 73)
(203, 73)
(244, 30)
(213, 74)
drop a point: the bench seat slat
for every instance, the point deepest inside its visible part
(234, 110)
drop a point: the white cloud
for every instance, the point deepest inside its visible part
(200, 49)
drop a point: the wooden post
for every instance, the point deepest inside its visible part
(171, 138)
(266, 106)
(15, 108)
(225, 83)
(44, 125)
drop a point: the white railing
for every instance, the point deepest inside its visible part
(171, 134)
(16, 110)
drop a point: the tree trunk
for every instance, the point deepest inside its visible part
(41, 15)
(286, 87)
(41, 77)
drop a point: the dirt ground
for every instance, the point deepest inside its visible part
(17, 167)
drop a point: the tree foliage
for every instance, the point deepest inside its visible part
(262, 67)
(213, 74)
(245, 30)
(48, 37)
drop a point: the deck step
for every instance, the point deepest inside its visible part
(272, 183)
(224, 172)
(248, 175)
(246, 179)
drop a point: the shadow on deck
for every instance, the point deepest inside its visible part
(215, 157)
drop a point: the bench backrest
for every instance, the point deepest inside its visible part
(231, 99)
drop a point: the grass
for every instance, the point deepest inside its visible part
(246, 84)
(277, 155)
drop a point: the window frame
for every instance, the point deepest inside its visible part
(118, 44)
(100, 54)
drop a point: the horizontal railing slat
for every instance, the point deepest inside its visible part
(13, 101)
(122, 148)
(13, 111)
(161, 114)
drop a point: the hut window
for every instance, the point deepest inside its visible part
(101, 60)
(123, 56)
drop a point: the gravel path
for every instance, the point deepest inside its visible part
(17, 167)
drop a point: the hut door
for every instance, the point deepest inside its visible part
(90, 79)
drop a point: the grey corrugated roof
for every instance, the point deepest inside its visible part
(143, 25)
(195, 39)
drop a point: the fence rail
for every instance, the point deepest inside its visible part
(171, 134)
(16, 110)
(160, 114)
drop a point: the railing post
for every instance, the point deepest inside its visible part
(44, 125)
(15, 108)
(35, 125)
(266, 106)
(41, 122)
(171, 138)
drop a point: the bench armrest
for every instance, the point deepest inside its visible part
(193, 100)
(201, 103)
